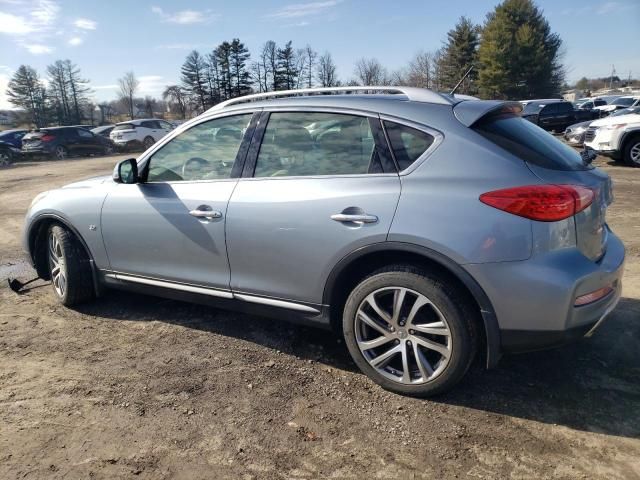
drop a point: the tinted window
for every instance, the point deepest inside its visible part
(599, 103)
(124, 126)
(565, 107)
(407, 143)
(149, 124)
(625, 102)
(550, 109)
(300, 144)
(206, 151)
(84, 133)
(165, 125)
(533, 107)
(529, 142)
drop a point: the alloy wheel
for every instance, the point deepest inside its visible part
(634, 153)
(60, 152)
(58, 265)
(5, 159)
(403, 335)
(148, 142)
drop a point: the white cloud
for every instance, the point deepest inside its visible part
(151, 85)
(85, 24)
(304, 9)
(75, 41)
(5, 76)
(38, 49)
(184, 17)
(14, 25)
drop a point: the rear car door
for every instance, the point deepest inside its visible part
(88, 141)
(317, 185)
(547, 118)
(171, 226)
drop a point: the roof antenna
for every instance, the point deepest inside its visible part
(461, 80)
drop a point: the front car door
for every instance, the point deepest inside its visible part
(317, 185)
(88, 141)
(171, 226)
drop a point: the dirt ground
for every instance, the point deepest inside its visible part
(136, 386)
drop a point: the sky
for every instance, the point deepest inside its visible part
(107, 38)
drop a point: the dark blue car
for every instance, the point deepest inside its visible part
(13, 137)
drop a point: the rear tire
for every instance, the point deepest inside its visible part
(60, 153)
(433, 333)
(148, 142)
(69, 267)
(6, 158)
(631, 152)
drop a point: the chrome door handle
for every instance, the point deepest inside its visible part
(355, 218)
(208, 214)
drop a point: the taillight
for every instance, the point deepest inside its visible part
(47, 138)
(544, 203)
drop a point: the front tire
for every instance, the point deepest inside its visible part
(411, 332)
(5, 158)
(69, 267)
(631, 152)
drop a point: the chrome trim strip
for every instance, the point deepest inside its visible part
(275, 303)
(176, 286)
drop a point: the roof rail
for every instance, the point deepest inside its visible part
(412, 93)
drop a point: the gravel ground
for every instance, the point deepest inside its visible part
(136, 386)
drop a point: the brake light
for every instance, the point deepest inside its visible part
(47, 138)
(544, 203)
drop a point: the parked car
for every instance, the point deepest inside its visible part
(617, 137)
(8, 153)
(618, 104)
(139, 133)
(555, 115)
(589, 103)
(61, 142)
(103, 131)
(575, 134)
(13, 137)
(420, 226)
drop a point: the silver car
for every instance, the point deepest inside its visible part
(424, 228)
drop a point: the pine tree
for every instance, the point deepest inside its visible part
(78, 91)
(459, 54)
(59, 92)
(194, 79)
(239, 56)
(286, 73)
(519, 56)
(26, 90)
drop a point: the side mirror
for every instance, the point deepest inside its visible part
(126, 171)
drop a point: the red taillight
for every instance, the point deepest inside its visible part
(545, 203)
(47, 138)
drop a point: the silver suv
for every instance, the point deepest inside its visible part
(424, 228)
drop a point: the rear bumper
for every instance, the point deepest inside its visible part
(534, 299)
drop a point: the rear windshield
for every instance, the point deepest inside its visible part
(626, 102)
(125, 126)
(529, 142)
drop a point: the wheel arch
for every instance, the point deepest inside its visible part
(37, 241)
(361, 262)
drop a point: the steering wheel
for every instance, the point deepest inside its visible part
(190, 164)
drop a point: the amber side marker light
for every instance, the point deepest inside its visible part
(593, 296)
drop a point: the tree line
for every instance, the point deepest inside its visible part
(514, 55)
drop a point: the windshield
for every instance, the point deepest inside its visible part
(625, 111)
(626, 102)
(529, 142)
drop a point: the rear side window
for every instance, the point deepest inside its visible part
(125, 126)
(407, 143)
(314, 143)
(565, 107)
(529, 142)
(550, 109)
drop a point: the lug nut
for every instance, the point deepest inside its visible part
(411, 332)
(408, 343)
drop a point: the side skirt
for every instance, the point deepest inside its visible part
(305, 314)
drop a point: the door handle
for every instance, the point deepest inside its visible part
(207, 213)
(354, 218)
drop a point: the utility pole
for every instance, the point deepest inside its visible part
(613, 72)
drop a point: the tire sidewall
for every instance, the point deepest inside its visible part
(627, 152)
(462, 350)
(60, 235)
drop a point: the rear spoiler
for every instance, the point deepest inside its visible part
(469, 112)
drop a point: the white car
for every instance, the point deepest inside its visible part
(617, 137)
(135, 133)
(619, 103)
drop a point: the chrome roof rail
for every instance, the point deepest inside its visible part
(412, 93)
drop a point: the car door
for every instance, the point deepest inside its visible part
(547, 116)
(317, 185)
(171, 226)
(88, 141)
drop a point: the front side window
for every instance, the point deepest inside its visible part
(407, 143)
(315, 143)
(207, 151)
(84, 133)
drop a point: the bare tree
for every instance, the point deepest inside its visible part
(326, 71)
(369, 71)
(127, 88)
(178, 97)
(420, 70)
(310, 59)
